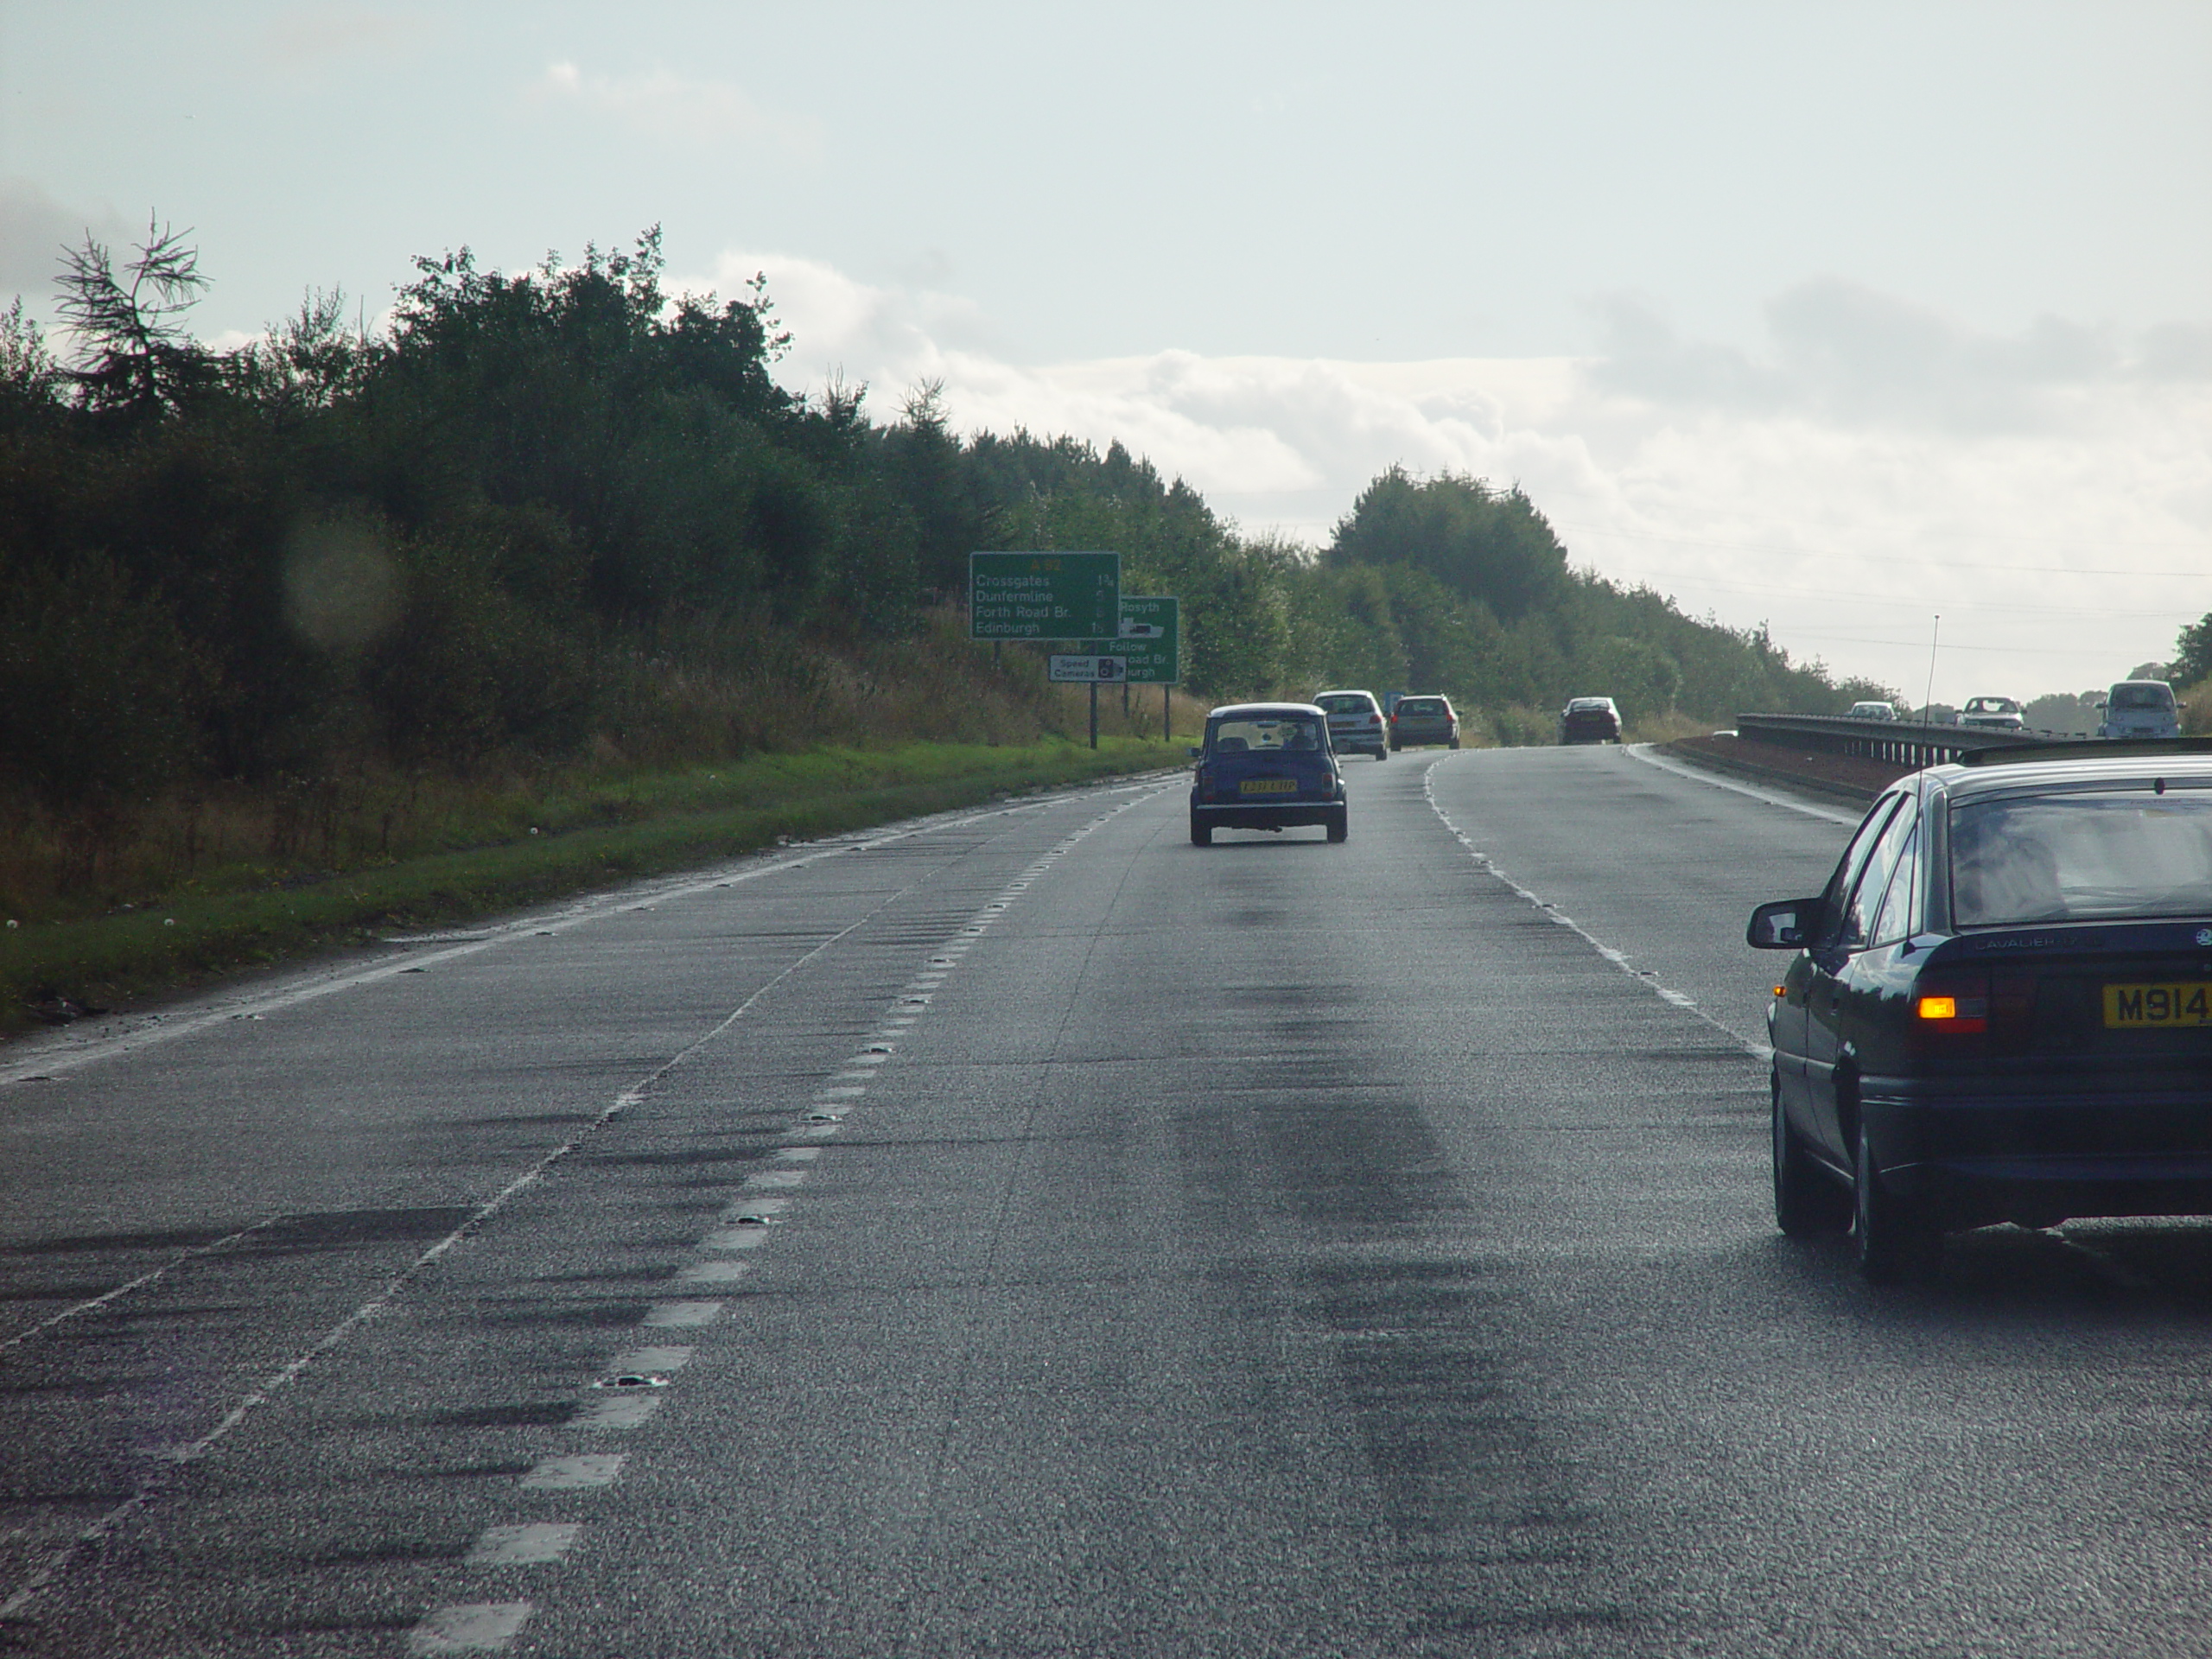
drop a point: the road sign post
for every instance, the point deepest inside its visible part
(1148, 635)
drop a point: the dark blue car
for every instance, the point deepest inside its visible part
(2000, 1006)
(1267, 765)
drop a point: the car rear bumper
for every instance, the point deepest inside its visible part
(2038, 1157)
(1264, 815)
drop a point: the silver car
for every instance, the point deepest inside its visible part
(2140, 708)
(1356, 724)
(1992, 714)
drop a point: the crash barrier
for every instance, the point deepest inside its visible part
(1900, 742)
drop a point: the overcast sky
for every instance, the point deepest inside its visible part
(1833, 315)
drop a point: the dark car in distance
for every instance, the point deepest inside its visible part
(1424, 719)
(2000, 1006)
(1590, 720)
(1266, 765)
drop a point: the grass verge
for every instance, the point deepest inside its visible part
(194, 934)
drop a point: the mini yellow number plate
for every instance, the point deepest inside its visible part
(1268, 786)
(2140, 1007)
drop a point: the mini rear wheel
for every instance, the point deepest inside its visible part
(1340, 824)
(1201, 832)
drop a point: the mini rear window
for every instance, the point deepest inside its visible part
(2088, 858)
(1250, 736)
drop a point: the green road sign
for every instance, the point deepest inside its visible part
(1151, 639)
(1043, 596)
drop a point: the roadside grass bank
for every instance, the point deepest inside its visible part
(248, 914)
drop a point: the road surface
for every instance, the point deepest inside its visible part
(1021, 1232)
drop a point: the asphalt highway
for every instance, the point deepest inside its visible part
(1021, 1232)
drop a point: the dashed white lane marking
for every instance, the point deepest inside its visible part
(471, 1627)
(580, 1472)
(289, 1372)
(616, 1411)
(674, 1316)
(525, 1546)
(1618, 958)
(653, 1359)
(712, 1273)
(634, 1389)
(735, 1238)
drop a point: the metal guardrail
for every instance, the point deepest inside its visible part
(1900, 742)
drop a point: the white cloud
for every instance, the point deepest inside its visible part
(1845, 354)
(2050, 495)
(668, 106)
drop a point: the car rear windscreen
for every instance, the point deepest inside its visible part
(1251, 736)
(1420, 706)
(2087, 857)
(1347, 705)
(2141, 697)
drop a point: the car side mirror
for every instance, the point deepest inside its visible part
(1785, 925)
(1197, 753)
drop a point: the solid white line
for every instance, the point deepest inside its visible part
(48, 1060)
(1680, 769)
(152, 1277)
(290, 1371)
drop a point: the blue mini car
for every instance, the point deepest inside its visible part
(1267, 765)
(2000, 1006)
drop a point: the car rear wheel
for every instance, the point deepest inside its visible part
(1201, 832)
(1455, 742)
(1807, 1203)
(1897, 1242)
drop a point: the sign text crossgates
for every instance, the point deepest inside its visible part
(1043, 596)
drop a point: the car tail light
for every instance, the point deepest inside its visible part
(1951, 1004)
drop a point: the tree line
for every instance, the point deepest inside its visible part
(542, 510)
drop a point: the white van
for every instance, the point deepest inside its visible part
(2140, 708)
